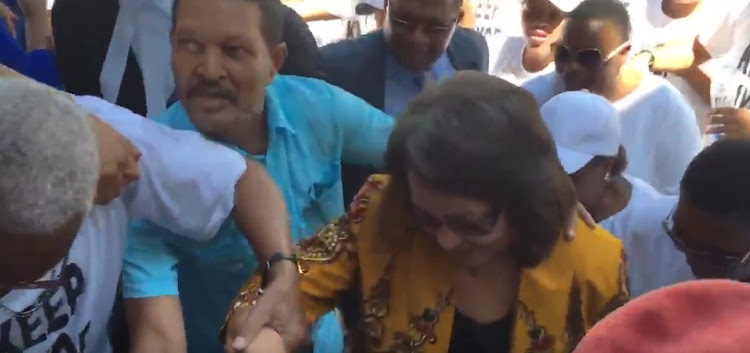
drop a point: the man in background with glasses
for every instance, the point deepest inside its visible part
(421, 41)
(658, 126)
(711, 223)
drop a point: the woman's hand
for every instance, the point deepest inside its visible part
(267, 341)
(731, 123)
(578, 212)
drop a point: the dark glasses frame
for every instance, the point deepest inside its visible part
(712, 257)
(410, 26)
(587, 57)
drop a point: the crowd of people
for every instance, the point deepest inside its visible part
(331, 176)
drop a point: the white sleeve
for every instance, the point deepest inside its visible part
(187, 182)
(679, 142)
(731, 32)
(544, 87)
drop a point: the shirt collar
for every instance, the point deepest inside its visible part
(396, 69)
(274, 112)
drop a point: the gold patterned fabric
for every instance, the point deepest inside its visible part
(408, 304)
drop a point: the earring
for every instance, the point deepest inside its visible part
(606, 176)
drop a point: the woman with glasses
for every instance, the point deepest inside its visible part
(520, 58)
(459, 248)
(657, 124)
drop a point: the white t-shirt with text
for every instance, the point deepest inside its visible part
(186, 184)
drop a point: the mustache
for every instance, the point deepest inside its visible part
(211, 89)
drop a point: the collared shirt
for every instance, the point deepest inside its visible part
(401, 84)
(317, 127)
(144, 26)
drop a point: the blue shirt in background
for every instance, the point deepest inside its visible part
(401, 84)
(313, 127)
(37, 64)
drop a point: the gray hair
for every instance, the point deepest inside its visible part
(48, 158)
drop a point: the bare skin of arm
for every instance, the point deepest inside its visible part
(695, 77)
(156, 325)
(682, 58)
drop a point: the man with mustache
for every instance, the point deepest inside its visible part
(301, 129)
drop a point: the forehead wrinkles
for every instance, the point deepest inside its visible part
(229, 18)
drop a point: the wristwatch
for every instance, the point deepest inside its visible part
(651, 57)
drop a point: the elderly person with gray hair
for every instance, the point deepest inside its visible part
(60, 255)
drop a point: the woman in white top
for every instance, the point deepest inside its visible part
(519, 58)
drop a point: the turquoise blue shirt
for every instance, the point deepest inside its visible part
(313, 127)
(401, 84)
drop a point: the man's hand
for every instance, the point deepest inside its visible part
(267, 341)
(731, 123)
(579, 212)
(280, 308)
(118, 161)
(7, 16)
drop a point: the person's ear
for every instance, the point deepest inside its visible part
(279, 54)
(609, 167)
(626, 51)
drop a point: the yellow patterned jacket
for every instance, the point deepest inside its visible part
(407, 296)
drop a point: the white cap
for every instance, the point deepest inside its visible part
(583, 125)
(367, 7)
(566, 5)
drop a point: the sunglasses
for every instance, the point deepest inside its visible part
(588, 57)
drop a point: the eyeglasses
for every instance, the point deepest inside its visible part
(713, 258)
(460, 226)
(429, 28)
(589, 57)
